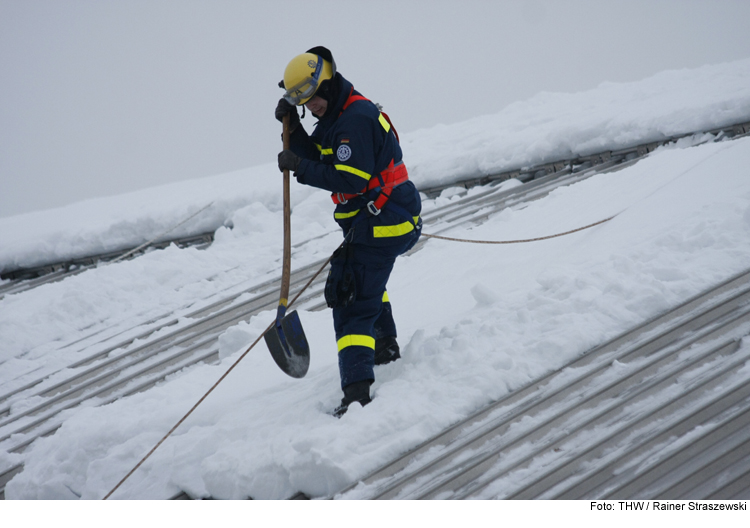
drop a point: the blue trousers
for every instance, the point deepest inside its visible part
(369, 317)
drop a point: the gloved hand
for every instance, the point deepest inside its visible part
(284, 108)
(288, 160)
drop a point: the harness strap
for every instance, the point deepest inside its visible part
(351, 99)
(391, 177)
(387, 125)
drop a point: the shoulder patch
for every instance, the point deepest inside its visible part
(344, 152)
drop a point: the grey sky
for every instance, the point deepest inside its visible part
(102, 97)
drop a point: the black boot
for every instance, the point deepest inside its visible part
(356, 392)
(386, 350)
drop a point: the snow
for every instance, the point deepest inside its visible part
(545, 128)
(475, 321)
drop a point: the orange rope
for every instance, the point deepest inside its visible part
(517, 241)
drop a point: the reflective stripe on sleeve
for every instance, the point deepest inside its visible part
(325, 152)
(356, 340)
(385, 297)
(384, 123)
(356, 172)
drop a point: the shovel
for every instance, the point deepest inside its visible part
(285, 339)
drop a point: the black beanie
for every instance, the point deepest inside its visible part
(328, 88)
(326, 54)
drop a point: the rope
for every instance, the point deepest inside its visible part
(517, 241)
(173, 429)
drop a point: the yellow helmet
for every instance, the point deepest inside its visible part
(305, 73)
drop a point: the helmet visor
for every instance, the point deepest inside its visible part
(300, 93)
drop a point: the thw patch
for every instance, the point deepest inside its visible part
(344, 152)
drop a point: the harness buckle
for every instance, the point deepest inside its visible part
(341, 198)
(374, 211)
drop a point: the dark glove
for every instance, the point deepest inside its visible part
(284, 108)
(288, 160)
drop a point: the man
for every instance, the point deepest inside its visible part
(353, 153)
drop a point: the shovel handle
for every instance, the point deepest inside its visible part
(287, 259)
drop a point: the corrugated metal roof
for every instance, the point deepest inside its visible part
(662, 411)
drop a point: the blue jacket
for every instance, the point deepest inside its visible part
(347, 149)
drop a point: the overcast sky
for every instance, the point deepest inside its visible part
(100, 97)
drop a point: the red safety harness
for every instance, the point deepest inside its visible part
(393, 175)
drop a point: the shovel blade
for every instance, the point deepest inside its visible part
(288, 345)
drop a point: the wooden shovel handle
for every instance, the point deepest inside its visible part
(287, 260)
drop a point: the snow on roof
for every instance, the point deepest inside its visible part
(547, 127)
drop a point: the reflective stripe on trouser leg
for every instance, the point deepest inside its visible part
(356, 358)
(356, 340)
